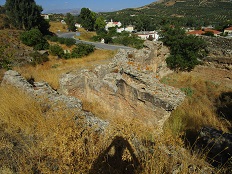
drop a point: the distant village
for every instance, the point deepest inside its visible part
(153, 35)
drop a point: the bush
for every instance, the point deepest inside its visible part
(70, 42)
(61, 40)
(82, 50)
(35, 39)
(56, 50)
(38, 58)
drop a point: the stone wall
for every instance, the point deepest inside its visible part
(220, 52)
(129, 85)
(50, 98)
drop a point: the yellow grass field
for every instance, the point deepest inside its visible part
(50, 71)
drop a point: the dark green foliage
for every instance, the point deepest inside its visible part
(39, 58)
(34, 38)
(56, 50)
(25, 14)
(101, 31)
(67, 41)
(82, 50)
(127, 40)
(70, 42)
(61, 40)
(185, 49)
(70, 21)
(100, 23)
(209, 33)
(87, 19)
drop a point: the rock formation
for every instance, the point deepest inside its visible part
(50, 98)
(220, 52)
(128, 86)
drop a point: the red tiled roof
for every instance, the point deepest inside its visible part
(229, 28)
(200, 32)
(196, 32)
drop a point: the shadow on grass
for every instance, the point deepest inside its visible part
(118, 158)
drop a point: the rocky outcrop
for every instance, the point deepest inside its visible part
(217, 145)
(128, 86)
(220, 52)
(50, 98)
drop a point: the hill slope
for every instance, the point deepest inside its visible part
(202, 12)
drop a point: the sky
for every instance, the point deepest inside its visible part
(94, 5)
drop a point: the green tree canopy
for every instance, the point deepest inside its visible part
(70, 21)
(35, 39)
(185, 49)
(25, 14)
(87, 19)
(100, 23)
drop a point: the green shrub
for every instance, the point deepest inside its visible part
(56, 50)
(38, 58)
(61, 40)
(70, 42)
(35, 39)
(82, 50)
(54, 39)
(188, 91)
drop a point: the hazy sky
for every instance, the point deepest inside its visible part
(94, 5)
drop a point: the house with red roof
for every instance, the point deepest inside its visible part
(203, 31)
(228, 30)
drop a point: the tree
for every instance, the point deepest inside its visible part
(185, 49)
(100, 23)
(25, 14)
(87, 19)
(34, 38)
(70, 21)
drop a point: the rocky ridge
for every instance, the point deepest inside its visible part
(220, 52)
(129, 85)
(50, 98)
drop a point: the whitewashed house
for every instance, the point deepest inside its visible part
(148, 34)
(78, 25)
(228, 30)
(112, 24)
(45, 16)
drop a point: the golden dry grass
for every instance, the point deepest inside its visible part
(35, 140)
(50, 71)
(85, 35)
(198, 108)
(57, 27)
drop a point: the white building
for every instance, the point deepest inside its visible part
(113, 24)
(45, 16)
(146, 34)
(78, 25)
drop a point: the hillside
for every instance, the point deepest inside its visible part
(189, 12)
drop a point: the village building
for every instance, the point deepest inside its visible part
(45, 16)
(112, 24)
(203, 31)
(78, 25)
(151, 35)
(228, 31)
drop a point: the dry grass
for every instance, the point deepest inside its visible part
(57, 27)
(33, 140)
(85, 35)
(198, 108)
(50, 71)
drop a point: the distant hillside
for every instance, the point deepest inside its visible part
(205, 9)
(199, 12)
